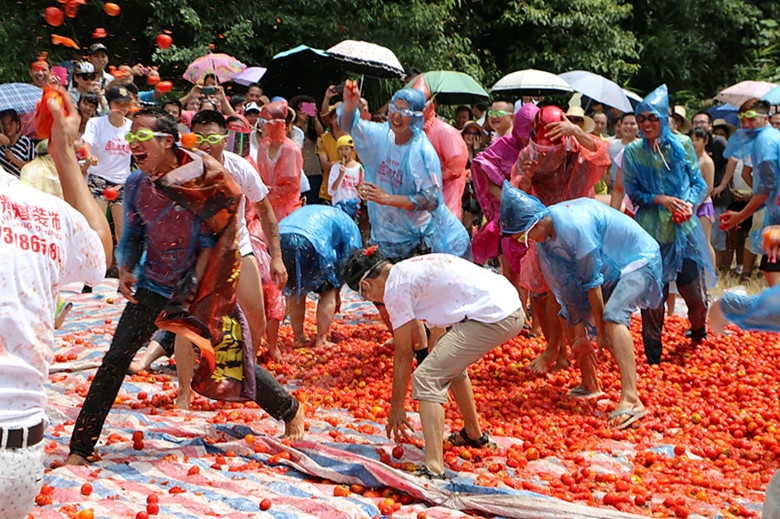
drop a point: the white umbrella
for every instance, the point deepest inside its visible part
(249, 76)
(744, 90)
(531, 82)
(367, 58)
(598, 88)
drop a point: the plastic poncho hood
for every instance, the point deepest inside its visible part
(416, 101)
(657, 102)
(519, 211)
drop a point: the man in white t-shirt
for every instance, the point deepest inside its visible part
(47, 244)
(471, 309)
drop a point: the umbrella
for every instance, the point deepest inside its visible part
(366, 58)
(301, 70)
(249, 75)
(531, 82)
(453, 88)
(773, 96)
(598, 88)
(744, 90)
(726, 112)
(22, 97)
(221, 65)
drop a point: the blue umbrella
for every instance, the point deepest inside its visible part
(773, 96)
(726, 112)
(22, 97)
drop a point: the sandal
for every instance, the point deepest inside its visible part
(424, 472)
(461, 439)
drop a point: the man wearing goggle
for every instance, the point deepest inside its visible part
(501, 117)
(167, 231)
(760, 141)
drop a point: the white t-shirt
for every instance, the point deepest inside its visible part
(108, 144)
(348, 188)
(44, 243)
(253, 188)
(442, 290)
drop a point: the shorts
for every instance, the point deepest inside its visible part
(768, 266)
(706, 210)
(463, 344)
(98, 184)
(629, 293)
(302, 261)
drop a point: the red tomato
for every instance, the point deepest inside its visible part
(143, 514)
(265, 504)
(86, 489)
(110, 193)
(111, 9)
(152, 498)
(43, 116)
(188, 140)
(163, 41)
(152, 508)
(398, 452)
(54, 16)
(164, 87)
(87, 513)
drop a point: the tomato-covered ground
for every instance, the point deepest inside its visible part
(707, 449)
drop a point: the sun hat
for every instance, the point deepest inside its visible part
(577, 111)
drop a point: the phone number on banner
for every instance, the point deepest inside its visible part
(33, 243)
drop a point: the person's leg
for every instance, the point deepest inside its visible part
(585, 359)
(326, 310)
(463, 394)
(153, 352)
(432, 423)
(553, 358)
(692, 288)
(249, 294)
(118, 216)
(296, 304)
(185, 368)
(652, 328)
(135, 328)
(272, 339)
(271, 396)
(706, 226)
(772, 278)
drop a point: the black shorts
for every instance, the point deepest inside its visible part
(768, 266)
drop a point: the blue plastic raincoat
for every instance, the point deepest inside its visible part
(413, 170)
(763, 146)
(667, 167)
(316, 241)
(753, 312)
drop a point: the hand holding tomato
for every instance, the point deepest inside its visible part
(351, 94)
(729, 220)
(56, 116)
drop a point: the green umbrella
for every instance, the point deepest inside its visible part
(453, 88)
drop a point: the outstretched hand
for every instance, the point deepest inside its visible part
(65, 129)
(351, 94)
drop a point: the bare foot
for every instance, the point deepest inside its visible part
(293, 430)
(75, 459)
(136, 366)
(560, 364)
(544, 362)
(718, 321)
(183, 398)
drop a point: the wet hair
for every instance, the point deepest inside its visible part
(700, 133)
(236, 100)
(756, 104)
(10, 112)
(89, 97)
(208, 117)
(360, 262)
(164, 122)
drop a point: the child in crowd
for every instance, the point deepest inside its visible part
(345, 177)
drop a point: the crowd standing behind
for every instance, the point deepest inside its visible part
(413, 185)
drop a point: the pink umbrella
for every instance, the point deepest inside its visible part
(221, 65)
(744, 90)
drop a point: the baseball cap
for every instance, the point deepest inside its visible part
(83, 67)
(251, 107)
(118, 94)
(345, 140)
(96, 47)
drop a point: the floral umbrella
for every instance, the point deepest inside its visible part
(221, 65)
(370, 59)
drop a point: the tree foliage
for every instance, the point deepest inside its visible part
(696, 47)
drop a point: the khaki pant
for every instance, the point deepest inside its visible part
(464, 344)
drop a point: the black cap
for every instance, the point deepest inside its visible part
(118, 94)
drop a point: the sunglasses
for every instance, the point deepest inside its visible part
(497, 113)
(750, 114)
(642, 118)
(214, 138)
(88, 77)
(405, 112)
(143, 135)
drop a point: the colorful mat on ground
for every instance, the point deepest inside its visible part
(223, 460)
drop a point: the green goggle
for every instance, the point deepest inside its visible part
(749, 114)
(497, 113)
(143, 135)
(214, 138)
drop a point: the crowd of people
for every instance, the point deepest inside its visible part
(520, 217)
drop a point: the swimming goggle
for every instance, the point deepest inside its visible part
(143, 135)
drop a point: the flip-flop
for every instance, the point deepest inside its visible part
(633, 416)
(581, 392)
